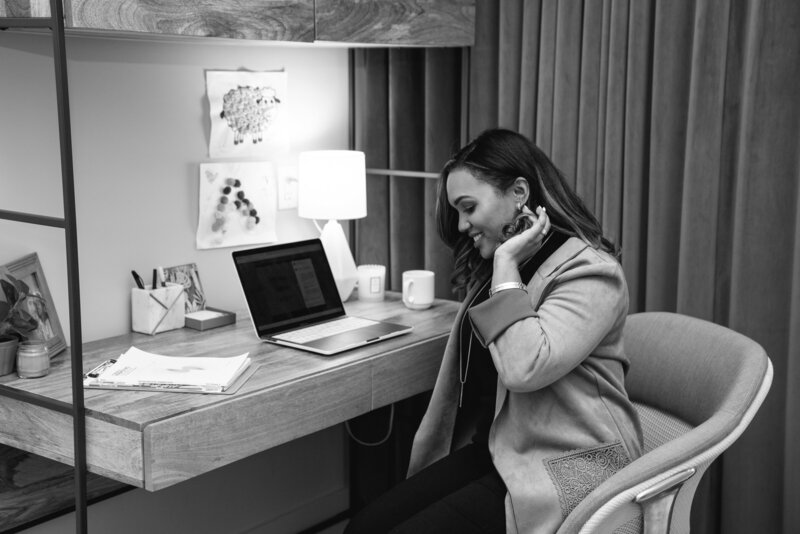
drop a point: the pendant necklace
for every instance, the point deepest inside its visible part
(464, 370)
(462, 373)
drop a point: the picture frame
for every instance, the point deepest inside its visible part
(29, 269)
(188, 276)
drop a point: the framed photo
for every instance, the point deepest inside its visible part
(29, 270)
(189, 278)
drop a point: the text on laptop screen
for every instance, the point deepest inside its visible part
(288, 287)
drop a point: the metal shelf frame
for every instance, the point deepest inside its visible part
(55, 23)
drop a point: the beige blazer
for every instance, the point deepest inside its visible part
(563, 421)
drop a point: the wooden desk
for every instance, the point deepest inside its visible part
(153, 440)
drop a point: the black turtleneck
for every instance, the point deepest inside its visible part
(480, 387)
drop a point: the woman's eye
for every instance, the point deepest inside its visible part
(469, 209)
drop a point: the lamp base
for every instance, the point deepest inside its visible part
(339, 257)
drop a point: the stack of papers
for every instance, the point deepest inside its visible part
(137, 369)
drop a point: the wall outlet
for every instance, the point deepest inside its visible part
(287, 187)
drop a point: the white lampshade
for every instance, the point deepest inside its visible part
(332, 185)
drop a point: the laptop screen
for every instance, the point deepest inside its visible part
(288, 285)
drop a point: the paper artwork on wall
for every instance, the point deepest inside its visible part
(248, 113)
(237, 204)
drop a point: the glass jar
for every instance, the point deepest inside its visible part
(33, 359)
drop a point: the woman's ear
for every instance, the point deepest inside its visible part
(521, 190)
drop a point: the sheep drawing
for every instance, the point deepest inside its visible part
(249, 111)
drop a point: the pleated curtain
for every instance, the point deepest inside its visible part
(407, 111)
(678, 122)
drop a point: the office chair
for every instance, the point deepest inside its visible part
(696, 386)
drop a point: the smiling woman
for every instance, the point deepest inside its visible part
(489, 183)
(483, 210)
(535, 368)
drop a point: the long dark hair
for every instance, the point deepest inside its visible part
(499, 157)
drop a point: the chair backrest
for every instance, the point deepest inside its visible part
(697, 386)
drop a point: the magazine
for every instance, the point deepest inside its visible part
(137, 369)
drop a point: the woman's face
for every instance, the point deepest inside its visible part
(482, 210)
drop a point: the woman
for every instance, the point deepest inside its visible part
(529, 412)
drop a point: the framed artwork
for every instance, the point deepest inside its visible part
(247, 112)
(189, 278)
(237, 204)
(29, 270)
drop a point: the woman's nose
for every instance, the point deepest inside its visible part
(463, 224)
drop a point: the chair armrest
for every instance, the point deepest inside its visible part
(658, 500)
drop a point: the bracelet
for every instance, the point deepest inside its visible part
(507, 285)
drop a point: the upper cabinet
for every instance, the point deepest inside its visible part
(428, 23)
(270, 20)
(376, 22)
(24, 8)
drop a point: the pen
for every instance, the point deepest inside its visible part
(138, 280)
(155, 279)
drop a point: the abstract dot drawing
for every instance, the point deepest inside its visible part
(242, 207)
(237, 204)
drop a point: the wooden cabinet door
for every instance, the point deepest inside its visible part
(24, 8)
(407, 22)
(274, 20)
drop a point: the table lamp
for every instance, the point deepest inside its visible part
(332, 185)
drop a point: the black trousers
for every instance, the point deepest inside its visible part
(460, 493)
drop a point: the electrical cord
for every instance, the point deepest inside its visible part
(376, 443)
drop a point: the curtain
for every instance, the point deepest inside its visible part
(407, 114)
(678, 122)
(407, 110)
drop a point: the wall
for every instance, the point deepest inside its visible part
(140, 130)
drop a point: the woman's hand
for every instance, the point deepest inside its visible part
(523, 245)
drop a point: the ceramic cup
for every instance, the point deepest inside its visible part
(418, 289)
(371, 282)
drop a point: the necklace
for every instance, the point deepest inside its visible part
(462, 372)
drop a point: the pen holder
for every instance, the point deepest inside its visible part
(157, 310)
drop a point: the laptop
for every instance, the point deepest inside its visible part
(293, 300)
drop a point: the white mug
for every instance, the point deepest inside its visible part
(418, 289)
(371, 282)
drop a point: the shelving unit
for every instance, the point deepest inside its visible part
(55, 24)
(12, 16)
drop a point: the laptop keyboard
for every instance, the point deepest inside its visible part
(330, 328)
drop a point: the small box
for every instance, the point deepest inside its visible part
(209, 318)
(157, 310)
